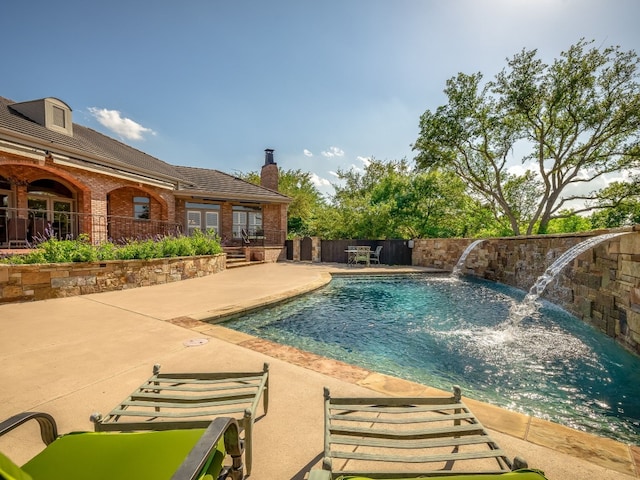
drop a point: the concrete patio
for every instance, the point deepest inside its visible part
(74, 356)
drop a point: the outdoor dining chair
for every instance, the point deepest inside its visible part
(375, 255)
(189, 454)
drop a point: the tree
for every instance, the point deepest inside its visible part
(306, 202)
(390, 200)
(575, 120)
(618, 205)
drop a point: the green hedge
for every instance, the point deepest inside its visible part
(53, 250)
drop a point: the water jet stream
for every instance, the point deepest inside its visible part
(528, 306)
(457, 270)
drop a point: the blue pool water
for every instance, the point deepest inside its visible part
(441, 331)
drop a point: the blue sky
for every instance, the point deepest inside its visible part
(327, 84)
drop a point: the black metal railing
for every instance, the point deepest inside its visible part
(23, 228)
(258, 237)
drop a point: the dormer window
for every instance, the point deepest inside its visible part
(49, 112)
(58, 116)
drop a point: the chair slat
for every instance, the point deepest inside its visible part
(405, 421)
(447, 457)
(408, 443)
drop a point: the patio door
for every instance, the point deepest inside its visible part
(50, 216)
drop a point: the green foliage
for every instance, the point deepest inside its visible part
(570, 222)
(391, 200)
(618, 205)
(306, 203)
(81, 250)
(570, 122)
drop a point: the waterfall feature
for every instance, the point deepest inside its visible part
(528, 306)
(457, 270)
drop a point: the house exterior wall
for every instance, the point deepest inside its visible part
(93, 194)
(274, 218)
(101, 195)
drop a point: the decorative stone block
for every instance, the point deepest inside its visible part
(35, 278)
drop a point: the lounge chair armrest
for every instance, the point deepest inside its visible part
(317, 474)
(195, 461)
(48, 427)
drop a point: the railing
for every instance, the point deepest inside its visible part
(259, 237)
(22, 228)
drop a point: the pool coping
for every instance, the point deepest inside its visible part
(601, 451)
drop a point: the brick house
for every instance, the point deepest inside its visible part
(60, 178)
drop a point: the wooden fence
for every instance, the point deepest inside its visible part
(394, 252)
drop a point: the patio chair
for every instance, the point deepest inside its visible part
(375, 255)
(411, 437)
(171, 454)
(363, 254)
(192, 400)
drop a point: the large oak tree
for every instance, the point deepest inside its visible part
(569, 123)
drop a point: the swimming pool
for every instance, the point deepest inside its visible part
(440, 331)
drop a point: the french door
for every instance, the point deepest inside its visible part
(52, 215)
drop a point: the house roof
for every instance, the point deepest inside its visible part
(89, 148)
(85, 144)
(225, 186)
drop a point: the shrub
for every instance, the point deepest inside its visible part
(53, 250)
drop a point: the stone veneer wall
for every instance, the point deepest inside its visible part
(43, 281)
(600, 286)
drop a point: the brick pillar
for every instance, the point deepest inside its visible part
(98, 227)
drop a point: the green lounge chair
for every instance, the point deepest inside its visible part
(408, 438)
(171, 401)
(186, 454)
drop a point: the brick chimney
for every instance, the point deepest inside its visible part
(269, 173)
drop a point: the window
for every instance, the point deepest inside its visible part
(193, 221)
(248, 219)
(197, 211)
(58, 117)
(141, 208)
(211, 221)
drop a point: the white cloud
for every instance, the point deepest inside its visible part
(365, 160)
(307, 153)
(114, 121)
(319, 181)
(331, 172)
(333, 152)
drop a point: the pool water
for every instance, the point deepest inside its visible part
(440, 331)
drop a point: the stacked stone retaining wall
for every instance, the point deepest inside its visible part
(44, 281)
(601, 286)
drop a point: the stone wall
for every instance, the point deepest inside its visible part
(601, 286)
(267, 254)
(44, 281)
